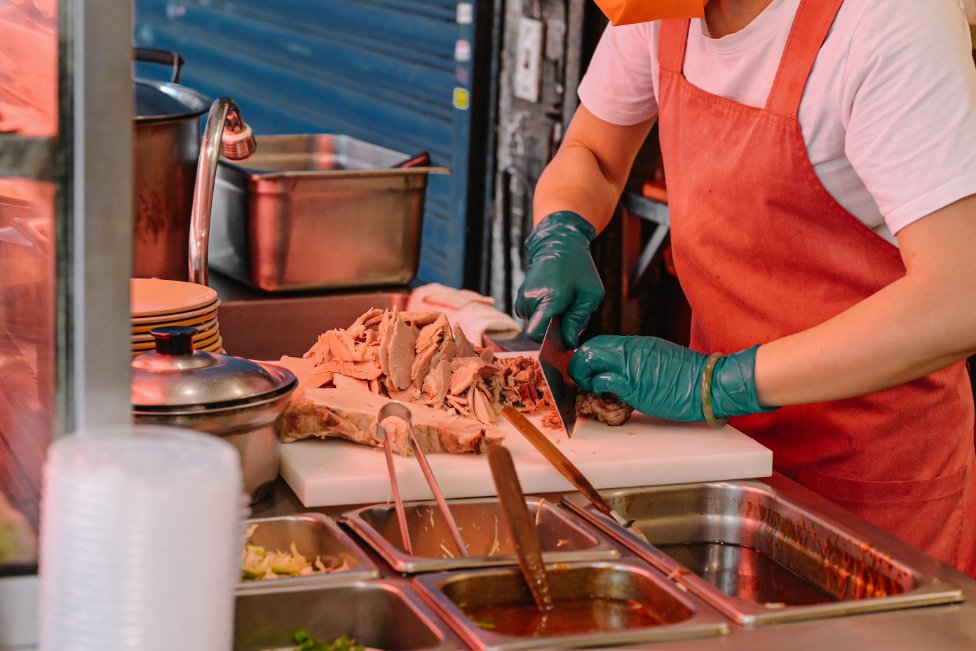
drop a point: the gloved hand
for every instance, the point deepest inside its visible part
(662, 379)
(561, 279)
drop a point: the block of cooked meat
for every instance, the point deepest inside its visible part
(605, 407)
(417, 358)
(351, 414)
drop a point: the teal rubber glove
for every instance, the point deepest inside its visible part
(662, 379)
(561, 279)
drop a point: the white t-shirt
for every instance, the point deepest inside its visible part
(888, 113)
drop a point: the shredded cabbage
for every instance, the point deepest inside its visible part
(260, 563)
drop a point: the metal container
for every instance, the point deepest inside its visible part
(231, 397)
(263, 326)
(166, 146)
(376, 614)
(760, 557)
(317, 212)
(678, 616)
(314, 535)
(563, 538)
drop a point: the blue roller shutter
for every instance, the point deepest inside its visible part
(398, 74)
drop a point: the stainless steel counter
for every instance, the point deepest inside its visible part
(943, 628)
(293, 321)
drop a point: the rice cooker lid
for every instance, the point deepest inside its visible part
(174, 376)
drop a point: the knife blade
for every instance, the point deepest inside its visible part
(554, 360)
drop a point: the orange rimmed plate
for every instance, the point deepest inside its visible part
(216, 347)
(200, 341)
(141, 333)
(155, 297)
(193, 317)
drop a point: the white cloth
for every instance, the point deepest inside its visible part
(474, 313)
(888, 113)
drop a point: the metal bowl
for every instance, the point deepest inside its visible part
(249, 427)
(231, 397)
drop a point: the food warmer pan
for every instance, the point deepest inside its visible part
(563, 535)
(314, 536)
(755, 552)
(605, 604)
(383, 614)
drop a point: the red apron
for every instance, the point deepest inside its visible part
(763, 251)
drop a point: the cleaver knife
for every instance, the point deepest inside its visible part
(554, 358)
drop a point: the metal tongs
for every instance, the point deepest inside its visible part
(399, 410)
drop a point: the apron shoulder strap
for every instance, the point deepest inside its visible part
(807, 36)
(672, 44)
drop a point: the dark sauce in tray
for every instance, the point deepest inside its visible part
(568, 617)
(747, 573)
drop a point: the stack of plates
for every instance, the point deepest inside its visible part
(155, 303)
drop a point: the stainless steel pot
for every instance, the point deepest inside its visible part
(231, 397)
(166, 147)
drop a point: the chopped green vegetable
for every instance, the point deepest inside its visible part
(308, 642)
(260, 563)
(483, 623)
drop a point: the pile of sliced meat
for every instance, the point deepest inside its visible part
(456, 389)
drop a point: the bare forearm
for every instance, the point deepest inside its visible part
(574, 181)
(590, 169)
(921, 323)
(861, 351)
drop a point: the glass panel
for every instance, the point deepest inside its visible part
(26, 354)
(28, 108)
(29, 61)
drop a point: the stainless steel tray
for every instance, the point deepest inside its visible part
(317, 212)
(563, 536)
(314, 535)
(757, 554)
(263, 326)
(680, 616)
(377, 614)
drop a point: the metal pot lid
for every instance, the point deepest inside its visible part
(174, 376)
(162, 100)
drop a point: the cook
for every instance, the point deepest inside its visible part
(820, 158)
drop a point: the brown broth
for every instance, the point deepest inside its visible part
(568, 617)
(747, 573)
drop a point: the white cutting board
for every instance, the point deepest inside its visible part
(642, 452)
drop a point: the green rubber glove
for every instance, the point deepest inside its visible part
(662, 379)
(561, 278)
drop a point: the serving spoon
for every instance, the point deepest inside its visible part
(516, 516)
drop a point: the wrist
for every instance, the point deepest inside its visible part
(562, 225)
(733, 385)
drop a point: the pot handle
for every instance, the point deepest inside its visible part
(420, 160)
(162, 57)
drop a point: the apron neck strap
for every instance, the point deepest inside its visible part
(810, 27)
(807, 36)
(672, 44)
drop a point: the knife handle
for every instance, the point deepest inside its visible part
(559, 460)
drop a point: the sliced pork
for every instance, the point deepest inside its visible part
(420, 359)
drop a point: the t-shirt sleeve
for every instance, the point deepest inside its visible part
(618, 86)
(910, 86)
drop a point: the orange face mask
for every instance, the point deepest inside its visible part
(628, 12)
